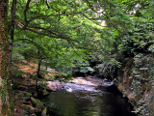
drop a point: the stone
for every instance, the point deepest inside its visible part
(53, 85)
(81, 80)
(44, 111)
(37, 103)
(28, 108)
(143, 68)
(45, 93)
(95, 80)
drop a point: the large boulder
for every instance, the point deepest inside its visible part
(28, 108)
(53, 85)
(82, 80)
(95, 80)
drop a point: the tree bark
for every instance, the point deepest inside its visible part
(12, 30)
(38, 68)
(6, 108)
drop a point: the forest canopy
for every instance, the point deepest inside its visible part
(76, 29)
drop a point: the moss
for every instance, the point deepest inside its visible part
(28, 108)
(44, 111)
(34, 101)
(37, 103)
(45, 92)
(136, 83)
(25, 94)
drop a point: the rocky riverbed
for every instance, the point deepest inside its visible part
(79, 84)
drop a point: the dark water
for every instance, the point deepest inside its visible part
(107, 101)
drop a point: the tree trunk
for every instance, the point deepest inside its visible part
(12, 30)
(38, 69)
(6, 103)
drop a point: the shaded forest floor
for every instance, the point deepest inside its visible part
(24, 86)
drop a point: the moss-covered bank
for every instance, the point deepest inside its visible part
(136, 81)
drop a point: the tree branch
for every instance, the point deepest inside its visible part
(58, 36)
(39, 16)
(44, 29)
(21, 26)
(25, 15)
(46, 2)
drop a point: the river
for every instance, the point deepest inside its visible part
(103, 101)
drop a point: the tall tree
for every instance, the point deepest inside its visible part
(5, 105)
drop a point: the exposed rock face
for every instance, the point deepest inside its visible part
(54, 85)
(137, 83)
(78, 83)
(88, 81)
(81, 80)
(95, 80)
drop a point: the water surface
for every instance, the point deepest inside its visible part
(105, 101)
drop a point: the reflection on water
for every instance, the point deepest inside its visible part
(107, 102)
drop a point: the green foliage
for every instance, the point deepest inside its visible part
(65, 75)
(18, 73)
(24, 95)
(108, 69)
(82, 67)
(17, 56)
(141, 84)
(86, 69)
(37, 103)
(139, 37)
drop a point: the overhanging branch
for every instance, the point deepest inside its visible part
(39, 16)
(21, 26)
(25, 15)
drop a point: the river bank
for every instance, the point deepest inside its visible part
(135, 81)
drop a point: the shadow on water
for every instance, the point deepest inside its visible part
(108, 101)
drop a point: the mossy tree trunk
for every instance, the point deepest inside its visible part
(6, 108)
(13, 11)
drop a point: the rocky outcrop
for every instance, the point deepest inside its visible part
(28, 108)
(95, 80)
(81, 80)
(37, 103)
(78, 83)
(88, 81)
(53, 85)
(136, 83)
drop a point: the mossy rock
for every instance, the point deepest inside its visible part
(41, 85)
(37, 103)
(28, 108)
(27, 94)
(44, 111)
(45, 93)
(34, 101)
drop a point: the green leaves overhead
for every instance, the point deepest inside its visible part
(65, 30)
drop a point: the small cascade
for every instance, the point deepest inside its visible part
(107, 83)
(73, 86)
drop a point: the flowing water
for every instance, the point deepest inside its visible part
(83, 100)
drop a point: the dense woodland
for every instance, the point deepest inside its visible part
(112, 38)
